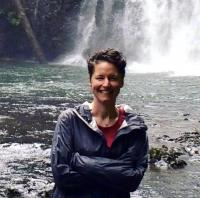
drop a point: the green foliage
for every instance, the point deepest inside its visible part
(11, 17)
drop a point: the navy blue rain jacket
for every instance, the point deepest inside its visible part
(82, 164)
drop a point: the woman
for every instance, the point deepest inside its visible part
(100, 149)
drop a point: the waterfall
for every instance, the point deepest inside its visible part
(155, 35)
(36, 9)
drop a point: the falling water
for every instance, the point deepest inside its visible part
(36, 9)
(155, 35)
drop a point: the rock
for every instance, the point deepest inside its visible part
(164, 158)
(191, 150)
(187, 139)
(13, 193)
(162, 165)
(189, 143)
(47, 191)
(163, 138)
(178, 164)
(186, 114)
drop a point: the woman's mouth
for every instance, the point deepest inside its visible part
(106, 91)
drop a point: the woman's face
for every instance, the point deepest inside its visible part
(106, 82)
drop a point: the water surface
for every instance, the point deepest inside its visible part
(32, 97)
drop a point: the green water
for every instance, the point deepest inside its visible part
(32, 96)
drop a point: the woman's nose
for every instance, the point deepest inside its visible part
(106, 82)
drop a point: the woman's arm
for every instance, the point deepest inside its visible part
(62, 151)
(124, 173)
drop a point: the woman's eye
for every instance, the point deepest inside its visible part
(113, 78)
(99, 78)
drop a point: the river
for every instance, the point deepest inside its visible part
(32, 96)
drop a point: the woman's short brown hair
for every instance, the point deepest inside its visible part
(109, 55)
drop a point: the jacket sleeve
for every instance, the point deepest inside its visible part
(62, 151)
(123, 174)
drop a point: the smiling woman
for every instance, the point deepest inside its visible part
(100, 148)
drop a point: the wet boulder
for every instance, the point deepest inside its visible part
(13, 193)
(164, 158)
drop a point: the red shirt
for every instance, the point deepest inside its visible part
(111, 132)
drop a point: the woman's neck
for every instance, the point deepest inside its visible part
(104, 114)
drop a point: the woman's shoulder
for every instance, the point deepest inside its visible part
(128, 110)
(132, 118)
(80, 110)
(67, 113)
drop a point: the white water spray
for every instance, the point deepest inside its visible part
(173, 31)
(155, 35)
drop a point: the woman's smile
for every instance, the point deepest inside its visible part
(106, 91)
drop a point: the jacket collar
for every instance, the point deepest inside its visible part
(84, 113)
(132, 121)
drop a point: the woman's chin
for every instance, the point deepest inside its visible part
(107, 101)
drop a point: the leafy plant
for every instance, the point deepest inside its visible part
(13, 18)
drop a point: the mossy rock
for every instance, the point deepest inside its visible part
(170, 156)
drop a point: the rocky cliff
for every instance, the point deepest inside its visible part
(53, 22)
